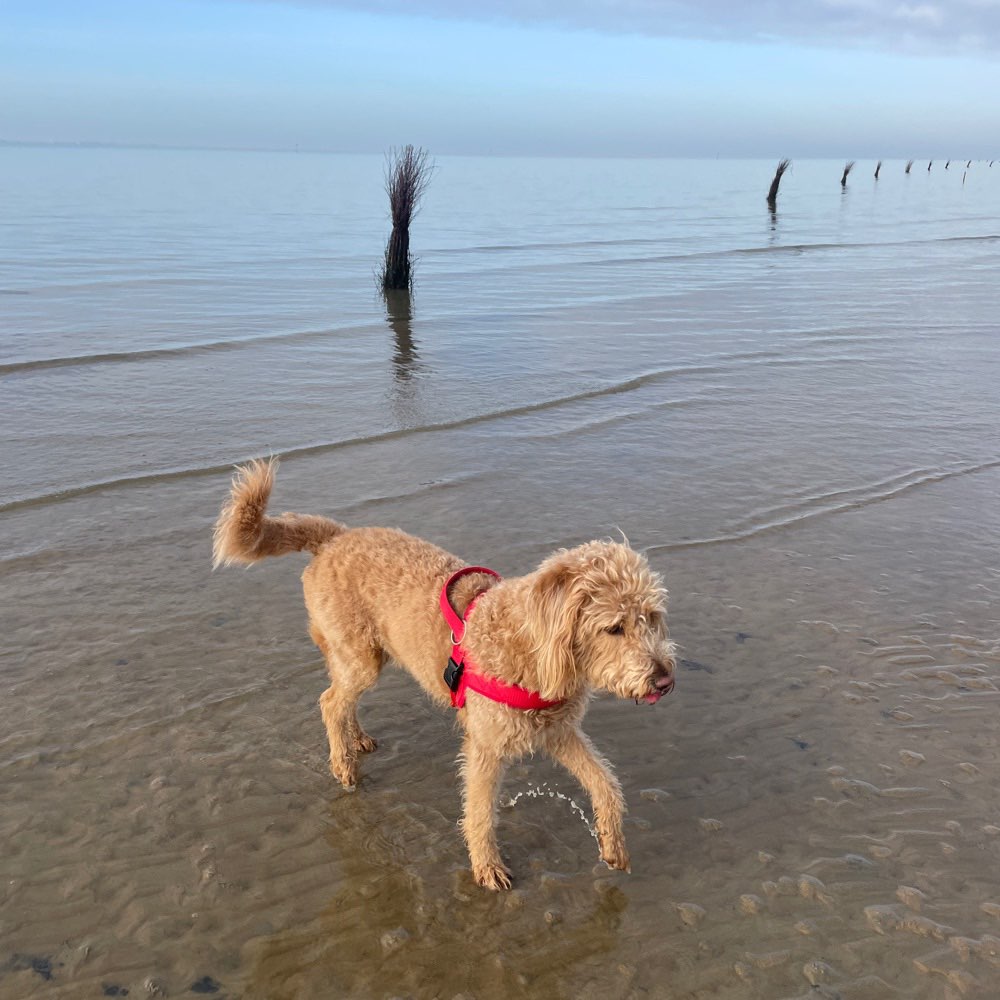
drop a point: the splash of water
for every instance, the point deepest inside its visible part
(543, 791)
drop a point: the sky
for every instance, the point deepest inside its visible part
(771, 78)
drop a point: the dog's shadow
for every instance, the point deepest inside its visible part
(408, 919)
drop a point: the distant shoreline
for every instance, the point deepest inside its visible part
(316, 151)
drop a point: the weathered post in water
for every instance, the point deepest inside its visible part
(848, 167)
(772, 194)
(909, 163)
(878, 167)
(407, 174)
(929, 165)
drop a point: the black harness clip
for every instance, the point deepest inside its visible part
(453, 674)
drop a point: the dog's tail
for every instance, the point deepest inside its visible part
(245, 534)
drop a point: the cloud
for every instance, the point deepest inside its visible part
(944, 27)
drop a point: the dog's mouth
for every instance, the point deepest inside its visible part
(661, 686)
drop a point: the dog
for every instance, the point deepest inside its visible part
(590, 617)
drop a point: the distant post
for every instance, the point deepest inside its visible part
(878, 167)
(407, 174)
(772, 194)
(848, 167)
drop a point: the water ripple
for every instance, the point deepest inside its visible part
(835, 502)
(314, 448)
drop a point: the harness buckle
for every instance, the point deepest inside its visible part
(453, 674)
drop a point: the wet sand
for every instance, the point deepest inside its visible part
(813, 805)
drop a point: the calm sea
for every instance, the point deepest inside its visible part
(795, 414)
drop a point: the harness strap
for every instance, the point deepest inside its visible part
(460, 674)
(451, 616)
(511, 695)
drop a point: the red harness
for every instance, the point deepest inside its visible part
(460, 674)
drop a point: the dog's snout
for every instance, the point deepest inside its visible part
(664, 683)
(664, 665)
(663, 674)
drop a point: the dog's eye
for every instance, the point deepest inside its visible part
(618, 629)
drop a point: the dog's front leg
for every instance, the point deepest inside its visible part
(577, 754)
(483, 768)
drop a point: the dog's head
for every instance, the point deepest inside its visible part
(596, 616)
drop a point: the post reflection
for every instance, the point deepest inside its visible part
(399, 315)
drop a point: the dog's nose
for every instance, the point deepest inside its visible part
(664, 683)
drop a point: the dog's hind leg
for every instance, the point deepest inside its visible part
(353, 670)
(577, 754)
(483, 768)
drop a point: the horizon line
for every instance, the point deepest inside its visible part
(321, 151)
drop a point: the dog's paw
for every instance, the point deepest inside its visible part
(363, 743)
(346, 774)
(494, 877)
(615, 855)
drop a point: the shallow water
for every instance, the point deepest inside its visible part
(796, 417)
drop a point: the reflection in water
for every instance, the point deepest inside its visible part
(772, 212)
(406, 364)
(399, 314)
(406, 900)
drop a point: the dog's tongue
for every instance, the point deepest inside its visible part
(652, 699)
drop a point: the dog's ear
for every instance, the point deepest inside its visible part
(555, 600)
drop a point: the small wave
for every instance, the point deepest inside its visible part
(721, 367)
(182, 350)
(843, 497)
(145, 479)
(45, 554)
(826, 504)
(554, 245)
(601, 423)
(800, 248)
(727, 253)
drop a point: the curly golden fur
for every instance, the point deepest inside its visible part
(591, 617)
